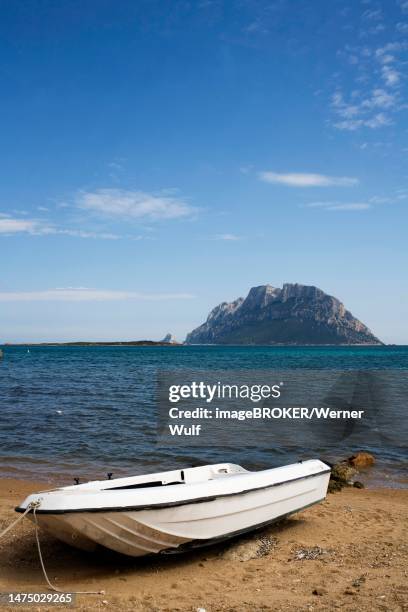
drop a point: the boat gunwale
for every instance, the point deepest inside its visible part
(162, 505)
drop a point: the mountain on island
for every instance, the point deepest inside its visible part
(169, 339)
(293, 315)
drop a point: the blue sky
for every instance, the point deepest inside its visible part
(159, 157)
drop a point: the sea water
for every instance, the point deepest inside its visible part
(84, 411)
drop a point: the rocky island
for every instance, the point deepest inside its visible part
(294, 315)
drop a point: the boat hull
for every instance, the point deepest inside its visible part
(177, 527)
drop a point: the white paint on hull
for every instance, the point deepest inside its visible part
(206, 516)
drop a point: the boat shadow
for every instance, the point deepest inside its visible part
(67, 566)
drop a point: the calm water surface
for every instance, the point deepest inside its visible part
(84, 411)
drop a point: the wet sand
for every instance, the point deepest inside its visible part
(349, 553)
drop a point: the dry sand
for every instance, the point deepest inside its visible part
(360, 563)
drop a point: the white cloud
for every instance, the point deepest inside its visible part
(115, 165)
(372, 14)
(8, 225)
(379, 27)
(344, 109)
(377, 121)
(380, 200)
(118, 204)
(128, 204)
(402, 27)
(391, 47)
(351, 206)
(375, 94)
(349, 124)
(84, 294)
(359, 113)
(246, 169)
(84, 234)
(385, 58)
(256, 27)
(390, 75)
(227, 237)
(301, 179)
(376, 200)
(404, 5)
(380, 98)
(12, 226)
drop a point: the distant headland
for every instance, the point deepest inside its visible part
(90, 343)
(168, 340)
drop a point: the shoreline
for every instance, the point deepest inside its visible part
(382, 475)
(79, 343)
(354, 547)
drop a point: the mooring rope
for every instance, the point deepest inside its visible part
(33, 507)
(50, 585)
(20, 518)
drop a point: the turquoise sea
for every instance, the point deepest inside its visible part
(84, 411)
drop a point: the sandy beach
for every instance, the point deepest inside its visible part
(349, 553)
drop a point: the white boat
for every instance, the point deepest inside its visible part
(176, 510)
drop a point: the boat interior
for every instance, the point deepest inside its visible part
(162, 479)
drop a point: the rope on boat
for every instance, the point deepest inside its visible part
(50, 585)
(20, 518)
(33, 507)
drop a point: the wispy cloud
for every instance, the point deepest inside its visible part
(246, 169)
(402, 27)
(350, 206)
(390, 75)
(84, 294)
(129, 204)
(372, 15)
(227, 237)
(10, 226)
(368, 111)
(116, 169)
(75, 233)
(402, 194)
(375, 73)
(394, 197)
(116, 165)
(118, 205)
(301, 179)
(372, 21)
(377, 121)
(403, 5)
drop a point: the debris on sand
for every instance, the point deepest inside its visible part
(309, 553)
(358, 582)
(250, 548)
